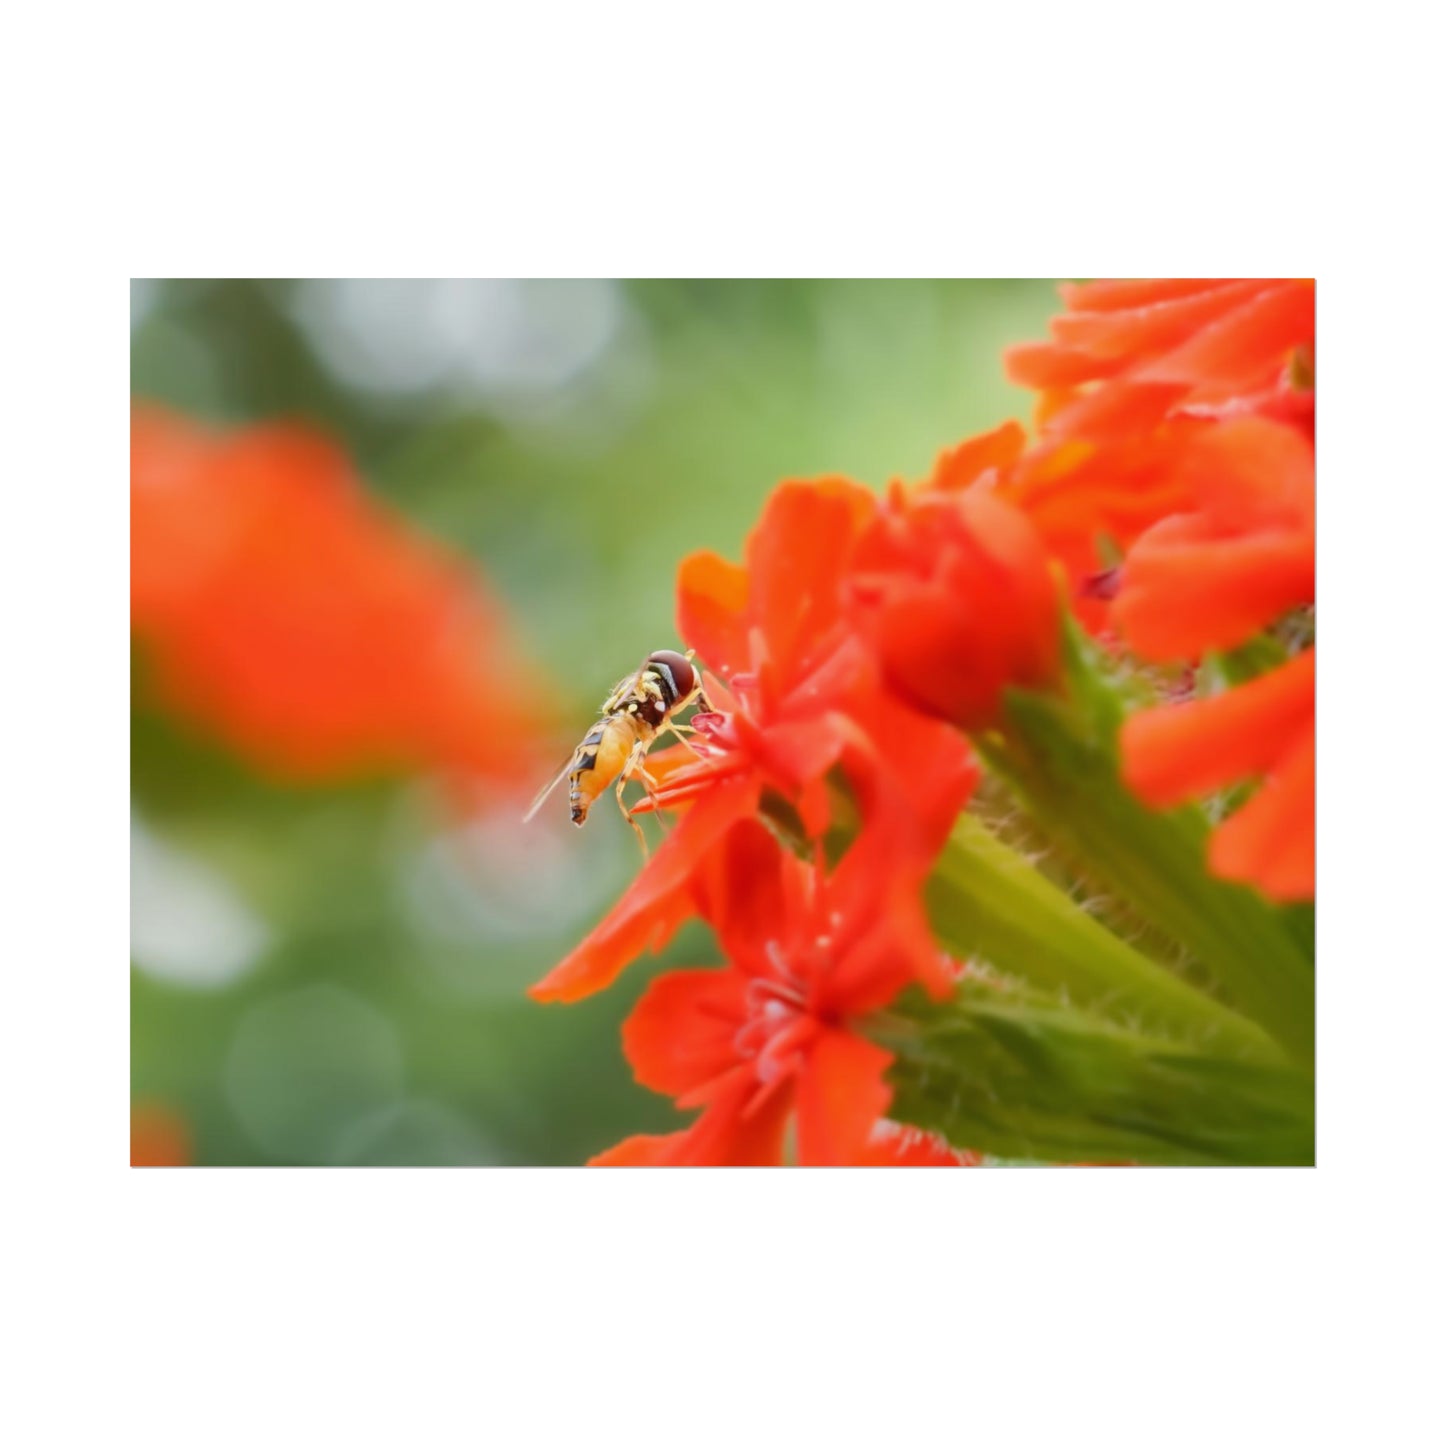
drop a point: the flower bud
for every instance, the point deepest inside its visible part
(958, 599)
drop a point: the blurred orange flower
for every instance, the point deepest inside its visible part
(1176, 342)
(159, 1137)
(305, 624)
(1238, 554)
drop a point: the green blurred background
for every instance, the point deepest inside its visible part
(336, 975)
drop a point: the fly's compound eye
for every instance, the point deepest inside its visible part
(676, 670)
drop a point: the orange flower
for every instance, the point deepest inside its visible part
(774, 628)
(802, 697)
(158, 1137)
(306, 625)
(955, 590)
(771, 1038)
(1242, 555)
(1178, 422)
(802, 691)
(1265, 728)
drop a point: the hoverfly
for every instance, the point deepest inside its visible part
(638, 709)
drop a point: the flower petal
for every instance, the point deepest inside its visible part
(892, 949)
(963, 465)
(1126, 295)
(1142, 331)
(1184, 589)
(744, 892)
(893, 1145)
(978, 609)
(1047, 366)
(1247, 343)
(658, 900)
(681, 1034)
(1194, 748)
(1270, 841)
(795, 753)
(840, 1096)
(912, 759)
(796, 558)
(1250, 473)
(642, 1150)
(1117, 411)
(711, 604)
(728, 1132)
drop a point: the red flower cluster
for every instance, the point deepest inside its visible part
(1178, 423)
(860, 635)
(308, 627)
(803, 714)
(1212, 577)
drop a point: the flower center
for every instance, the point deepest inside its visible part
(779, 1026)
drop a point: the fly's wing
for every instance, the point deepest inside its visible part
(547, 788)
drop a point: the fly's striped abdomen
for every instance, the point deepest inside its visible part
(599, 759)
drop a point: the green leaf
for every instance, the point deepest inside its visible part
(1014, 1075)
(1060, 757)
(984, 900)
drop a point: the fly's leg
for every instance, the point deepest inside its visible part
(650, 786)
(699, 697)
(631, 821)
(680, 731)
(634, 764)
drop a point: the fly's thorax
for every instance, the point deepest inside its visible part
(645, 706)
